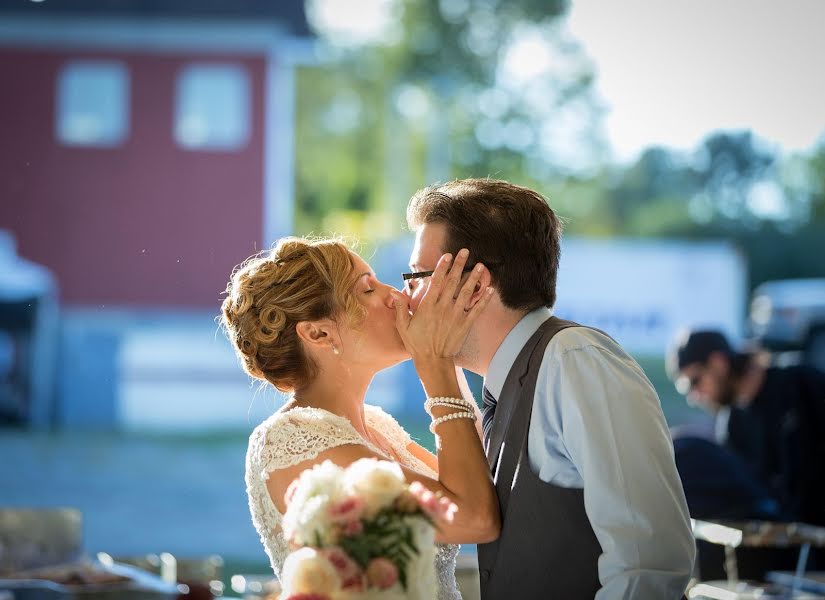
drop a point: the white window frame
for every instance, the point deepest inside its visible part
(202, 125)
(91, 113)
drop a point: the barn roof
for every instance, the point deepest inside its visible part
(288, 13)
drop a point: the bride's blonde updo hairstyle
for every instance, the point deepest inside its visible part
(271, 292)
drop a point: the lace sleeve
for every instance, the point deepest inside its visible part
(296, 436)
(387, 426)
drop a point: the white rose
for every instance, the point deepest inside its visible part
(307, 514)
(306, 571)
(310, 524)
(377, 482)
(325, 479)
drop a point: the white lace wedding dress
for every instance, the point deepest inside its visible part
(300, 434)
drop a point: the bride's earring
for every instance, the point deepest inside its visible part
(335, 350)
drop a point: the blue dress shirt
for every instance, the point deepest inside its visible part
(597, 424)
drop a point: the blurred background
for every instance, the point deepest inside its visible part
(150, 146)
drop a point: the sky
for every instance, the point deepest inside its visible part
(671, 72)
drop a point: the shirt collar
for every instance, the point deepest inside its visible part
(509, 349)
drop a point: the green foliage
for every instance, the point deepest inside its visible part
(814, 181)
(375, 123)
(462, 41)
(658, 215)
(387, 535)
(338, 148)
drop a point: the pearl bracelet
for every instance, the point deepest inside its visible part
(456, 415)
(450, 402)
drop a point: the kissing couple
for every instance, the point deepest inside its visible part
(565, 477)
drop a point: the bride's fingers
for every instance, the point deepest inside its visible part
(467, 290)
(463, 318)
(453, 278)
(433, 291)
(402, 311)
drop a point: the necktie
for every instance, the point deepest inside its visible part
(488, 411)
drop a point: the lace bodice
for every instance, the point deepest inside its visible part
(291, 437)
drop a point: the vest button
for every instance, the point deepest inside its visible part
(485, 574)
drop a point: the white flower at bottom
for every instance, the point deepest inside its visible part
(377, 482)
(307, 571)
(394, 593)
(421, 577)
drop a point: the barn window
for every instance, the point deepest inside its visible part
(212, 107)
(92, 103)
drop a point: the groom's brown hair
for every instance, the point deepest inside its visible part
(509, 228)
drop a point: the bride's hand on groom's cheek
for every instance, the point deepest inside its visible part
(446, 311)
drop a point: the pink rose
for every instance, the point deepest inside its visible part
(353, 528)
(382, 573)
(349, 509)
(439, 507)
(352, 578)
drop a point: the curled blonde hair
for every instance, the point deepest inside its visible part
(271, 292)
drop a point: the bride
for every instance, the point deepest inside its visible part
(312, 319)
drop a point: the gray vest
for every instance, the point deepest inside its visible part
(547, 549)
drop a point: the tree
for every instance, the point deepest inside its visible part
(813, 180)
(652, 194)
(453, 88)
(731, 167)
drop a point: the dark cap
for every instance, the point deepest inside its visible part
(691, 347)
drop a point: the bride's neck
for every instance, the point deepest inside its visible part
(339, 393)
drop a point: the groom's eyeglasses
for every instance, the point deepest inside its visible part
(411, 280)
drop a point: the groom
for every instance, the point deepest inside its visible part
(591, 503)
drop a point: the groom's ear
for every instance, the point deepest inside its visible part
(483, 283)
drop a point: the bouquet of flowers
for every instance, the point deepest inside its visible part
(360, 532)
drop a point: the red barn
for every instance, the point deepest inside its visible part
(147, 147)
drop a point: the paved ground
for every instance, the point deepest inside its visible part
(138, 493)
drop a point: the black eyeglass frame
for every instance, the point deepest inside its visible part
(408, 277)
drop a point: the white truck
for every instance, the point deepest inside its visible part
(642, 292)
(789, 315)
